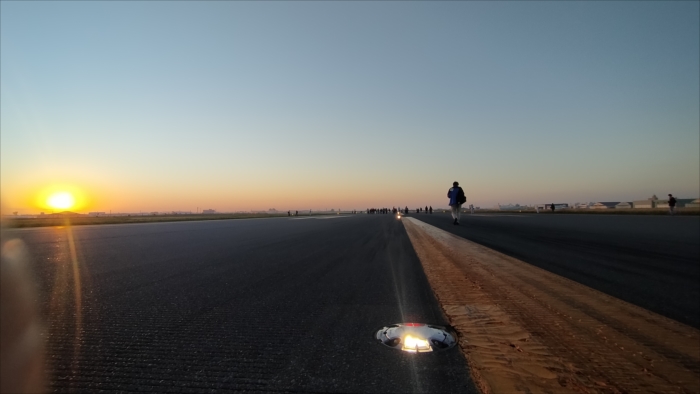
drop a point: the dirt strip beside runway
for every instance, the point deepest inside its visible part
(524, 329)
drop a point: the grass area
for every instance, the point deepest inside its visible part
(88, 220)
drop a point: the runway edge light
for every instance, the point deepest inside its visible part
(416, 337)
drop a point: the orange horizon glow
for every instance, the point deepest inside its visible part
(61, 197)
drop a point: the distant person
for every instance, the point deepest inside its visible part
(552, 207)
(426, 208)
(457, 198)
(289, 213)
(431, 209)
(471, 208)
(297, 213)
(417, 210)
(671, 205)
(405, 211)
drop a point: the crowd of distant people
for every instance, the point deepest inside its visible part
(457, 199)
(455, 194)
(394, 210)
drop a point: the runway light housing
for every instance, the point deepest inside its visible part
(416, 337)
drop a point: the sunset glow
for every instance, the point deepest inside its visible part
(61, 197)
(351, 105)
(61, 200)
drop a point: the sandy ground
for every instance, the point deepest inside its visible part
(526, 330)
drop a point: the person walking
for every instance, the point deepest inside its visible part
(552, 207)
(431, 209)
(457, 198)
(671, 205)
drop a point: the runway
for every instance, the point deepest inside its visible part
(289, 305)
(242, 305)
(649, 261)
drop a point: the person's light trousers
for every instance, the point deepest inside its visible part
(456, 210)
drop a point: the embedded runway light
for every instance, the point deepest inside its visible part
(415, 345)
(416, 337)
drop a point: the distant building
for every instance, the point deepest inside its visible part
(604, 205)
(66, 214)
(648, 203)
(693, 203)
(272, 210)
(661, 204)
(204, 211)
(510, 207)
(680, 203)
(624, 205)
(556, 206)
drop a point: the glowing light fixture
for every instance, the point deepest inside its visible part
(415, 345)
(416, 337)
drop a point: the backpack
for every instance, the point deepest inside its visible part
(461, 198)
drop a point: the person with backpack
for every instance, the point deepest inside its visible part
(671, 205)
(457, 198)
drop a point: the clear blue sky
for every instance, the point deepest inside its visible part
(251, 105)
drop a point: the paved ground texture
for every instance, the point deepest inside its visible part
(526, 330)
(649, 261)
(291, 304)
(245, 305)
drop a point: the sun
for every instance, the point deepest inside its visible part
(61, 197)
(61, 200)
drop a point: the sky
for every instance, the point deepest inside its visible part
(159, 106)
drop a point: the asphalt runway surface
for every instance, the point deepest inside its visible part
(650, 261)
(288, 304)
